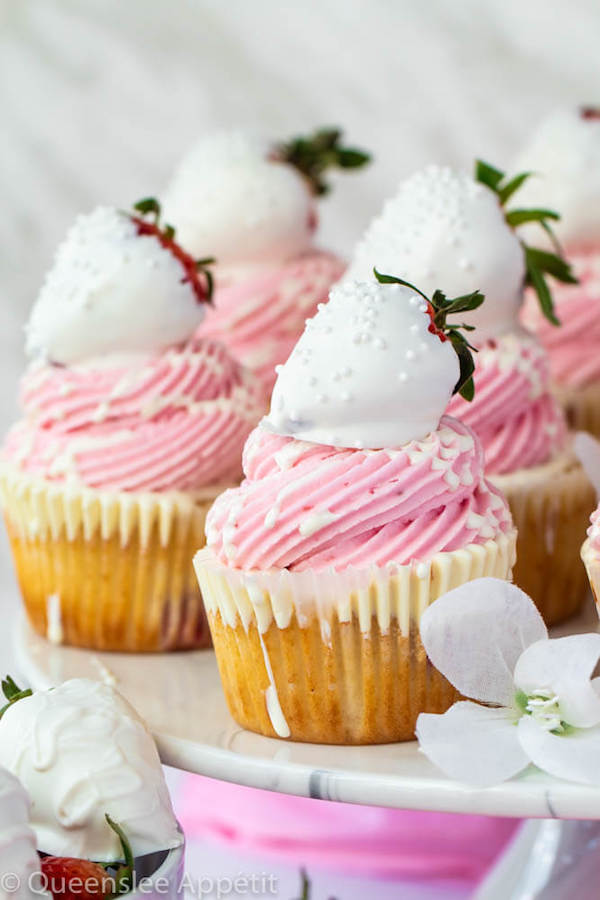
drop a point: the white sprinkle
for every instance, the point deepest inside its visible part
(315, 522)
(271, 517)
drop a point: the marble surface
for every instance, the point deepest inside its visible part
(180, 696)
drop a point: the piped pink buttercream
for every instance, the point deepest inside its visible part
(177, 421)
(515, 416)
(311, 506)
(572, 348)
(261, 317)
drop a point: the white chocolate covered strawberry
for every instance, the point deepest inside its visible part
(255, 204)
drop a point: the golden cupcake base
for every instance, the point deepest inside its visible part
(335, 658)
(581, 406)
(107, 571)
(358, 689)
(551, 506)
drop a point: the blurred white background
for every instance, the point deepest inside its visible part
(98, 99)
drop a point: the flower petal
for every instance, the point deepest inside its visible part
(587, 450)
(475, 634)
(564, 666)
(471, 743)
(574, 756)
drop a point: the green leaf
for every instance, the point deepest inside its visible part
(352, 159)
(465, 385)
(202, 265)
(124, 877)
(13, 693)
(550, 263)
(392, 279)
(487, 174)
(504, 193)
(517, 217)
(466, 303)
(169, 232)
(9, 687)
(148, 205)
(305, 893)
(440, 307)
(536, 279)
(314, 154)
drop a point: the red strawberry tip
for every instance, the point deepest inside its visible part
(75, 879)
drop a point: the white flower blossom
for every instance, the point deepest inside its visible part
(537, 701)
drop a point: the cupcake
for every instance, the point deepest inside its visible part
(254, 204)
(449, 228)
(18, 857)
(362, 503)
(130, 429)
(565, 151)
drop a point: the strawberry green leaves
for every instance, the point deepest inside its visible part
(150, 206)
(439, 307)
(313, 154)
(538, 263)
(125, 873)
(12, 693)
(203, 287)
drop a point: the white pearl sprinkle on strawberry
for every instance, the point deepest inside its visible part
(375, 368)
(120, 284)
(564, 155)
(444, 228)
(254, 202)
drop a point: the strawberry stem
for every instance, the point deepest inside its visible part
(13, 693)
(202, 287)
(125, 873)
(314, 154)
(538, 263)
(439, 307)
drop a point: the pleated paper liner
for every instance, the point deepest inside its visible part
(335, 657)
(551, 507)
(107, 571)
(591, 561)
(581, 406)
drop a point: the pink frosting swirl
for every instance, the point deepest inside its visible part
(515, 416)
(310, 506)
(572, 348)
(260, 318)
(175, 422)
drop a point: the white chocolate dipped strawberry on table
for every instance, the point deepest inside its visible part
(131, 426)
(362, 502)
(448, 227)
(82, 753)
(19, 860)
(564, 155)
(255, 204)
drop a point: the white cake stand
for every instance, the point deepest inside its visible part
(180, 697)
